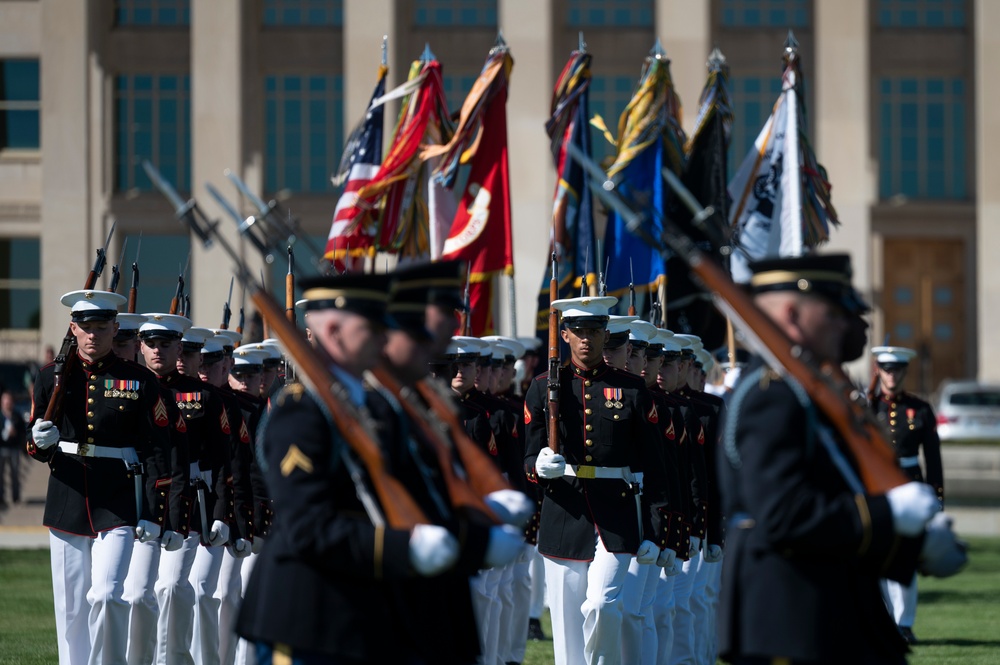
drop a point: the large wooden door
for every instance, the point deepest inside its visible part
(924, 305)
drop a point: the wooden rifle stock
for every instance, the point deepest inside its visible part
(290, 288)
(401, 511)
(462, 493)
(132, 297)
(483, 475)
(553, 383)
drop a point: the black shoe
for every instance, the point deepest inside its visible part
(535, 630)
(908, 635)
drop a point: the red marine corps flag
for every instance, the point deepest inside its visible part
(481, 233)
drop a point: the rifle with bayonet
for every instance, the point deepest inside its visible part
(227, 312)
(286, 231)
(243, 318)
(465, 320)
(553, 384)
(827, 384)
(66, 360)
(397, 507)
(133, 291)
(290, 288)
(245, 226)
(116, 273)
(631, 289)
(177, 301)
(188, 212)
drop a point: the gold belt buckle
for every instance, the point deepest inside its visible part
(587, 472)
(83, 450)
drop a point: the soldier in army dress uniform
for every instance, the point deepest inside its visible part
(807, 544)
(912, 429)
(109, 457)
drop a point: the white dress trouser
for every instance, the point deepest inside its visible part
(88, 576)
(230, 593)
(684, 629)
(486, 605)
(205, 583)
(143, 611)
(521, 585)
(246, 653)
(663, 620)
(707, 651)
(505, 617)
(175, 596)
(634, 622)
(585, 602)
(536, 566)
(902, 601)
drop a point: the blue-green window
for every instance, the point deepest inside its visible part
(303, 132)
(610, 13)
(922, 138)
(765, 13)
(753, 100)
(456, 89)
(152, 121)
(152, 12)
(304, 12)
(19, 104)
(455, 12)
(20, 283)
(609, 95)
(922, 13)
(161, 261)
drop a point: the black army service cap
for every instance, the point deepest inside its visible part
(362, 294)
(418, 285)
(827, 275)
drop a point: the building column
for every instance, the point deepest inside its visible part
(842, 134)
(69, 233)
(986, 142)
(684, 28)
(527, 27)
(365, 22)
(217, 37)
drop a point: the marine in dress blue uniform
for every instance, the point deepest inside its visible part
(912, 429)
(114, 425)
(594, 516)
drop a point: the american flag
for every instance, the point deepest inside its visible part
(360, 162)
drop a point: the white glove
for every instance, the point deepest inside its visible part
(506, 544)
(666, 559)
(171, 541)
(44, 434)
(257, 545)
(695, 547)
(943, 554)
(511, 507)
(146, 531)
(647, 552)
(912, 506)
(218, 534)
(240, 548)
(713, 554)
(550, 464)
(433, 549)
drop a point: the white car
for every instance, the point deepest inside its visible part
(969, 411)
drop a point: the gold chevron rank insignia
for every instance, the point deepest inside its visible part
(293, 459)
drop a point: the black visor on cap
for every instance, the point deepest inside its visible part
(191, 347)
(616, 340)
(212, 357)
(890, 366)
(159, 334)
(93, 315)
(585, 321)
(126, 334)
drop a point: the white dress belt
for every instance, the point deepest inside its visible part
(127, 455)
(907, 462)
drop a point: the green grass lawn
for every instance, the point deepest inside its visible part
(958, 619)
